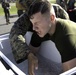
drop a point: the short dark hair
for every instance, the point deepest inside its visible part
(42, 6)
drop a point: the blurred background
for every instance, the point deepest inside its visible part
(68, 5)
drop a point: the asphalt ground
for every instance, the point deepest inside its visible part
(4, 28)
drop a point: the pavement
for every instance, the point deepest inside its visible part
(4, 28)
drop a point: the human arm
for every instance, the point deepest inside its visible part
(22, 2)
(34, 46)
(32, 64)
(25, 4)
(3, 5)
(8, 5)
(60, 12)
(17, 40)
(32, 60)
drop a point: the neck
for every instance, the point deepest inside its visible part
(53, 27)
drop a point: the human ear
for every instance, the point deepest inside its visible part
(52, 17)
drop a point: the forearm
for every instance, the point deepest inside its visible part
(19, 47)
(17, 40)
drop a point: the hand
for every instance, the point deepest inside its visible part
(32, 63)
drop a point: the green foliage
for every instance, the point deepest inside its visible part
(52, 1)
(1, 10)
(13, 10)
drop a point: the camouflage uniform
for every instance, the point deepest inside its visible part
(60, 12)
(17, 40)
(26, 3)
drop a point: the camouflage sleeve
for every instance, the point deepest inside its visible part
(26, 3)
(17, 40)
(60, 12)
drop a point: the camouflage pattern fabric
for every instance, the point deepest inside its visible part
(60, 12)
(19, 29)
(17, 41)
(26, 3)
(19, 6)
